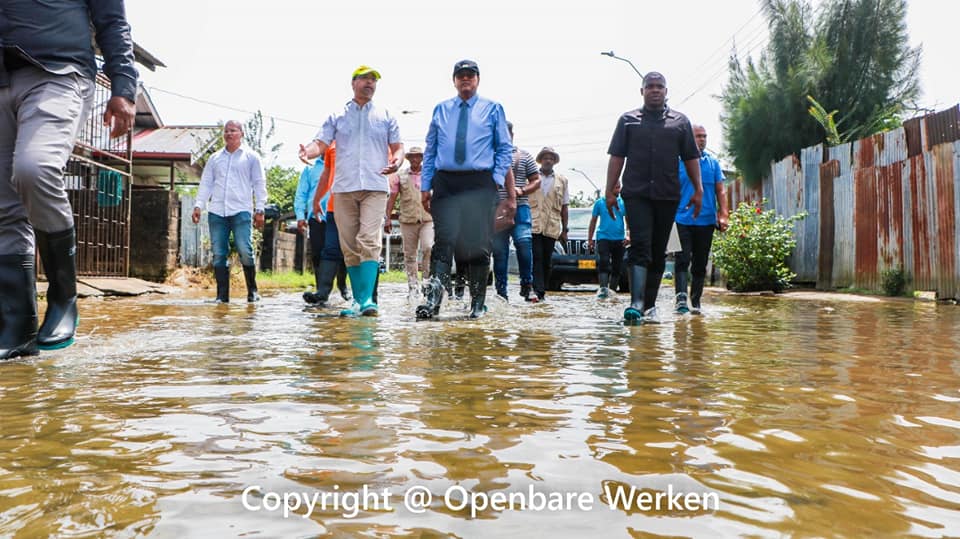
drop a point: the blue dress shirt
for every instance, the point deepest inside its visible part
(488, 141)
(364, 135)
(306, 190)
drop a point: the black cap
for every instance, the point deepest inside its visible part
(469, 65)
(654, 76)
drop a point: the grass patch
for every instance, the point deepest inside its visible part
(292, 280)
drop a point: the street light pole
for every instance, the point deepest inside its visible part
(612, 55)
(584, 174)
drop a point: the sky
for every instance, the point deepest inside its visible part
(541, 60)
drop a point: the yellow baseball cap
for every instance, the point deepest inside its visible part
(365, 70)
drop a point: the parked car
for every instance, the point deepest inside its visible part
(573, 262)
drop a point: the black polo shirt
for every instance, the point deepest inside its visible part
(651, 142)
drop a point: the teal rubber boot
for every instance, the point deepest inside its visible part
(369, 272)
(353, 272)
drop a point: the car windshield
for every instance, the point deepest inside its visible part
(579, 218)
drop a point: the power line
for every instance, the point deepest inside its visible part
(759, 42)
(235, 109)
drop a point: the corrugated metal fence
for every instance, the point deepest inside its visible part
(195, 246)
(884, 202)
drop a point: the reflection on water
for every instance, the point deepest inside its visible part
(807, 418)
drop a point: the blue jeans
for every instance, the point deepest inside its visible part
(241, 225)
(522, 234)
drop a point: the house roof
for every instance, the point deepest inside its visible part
(173, 142)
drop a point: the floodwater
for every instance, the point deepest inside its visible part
(174, 417)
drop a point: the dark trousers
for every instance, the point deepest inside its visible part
(695, 242)
(610, 259)
(318, 231)
(650, 222)
(463, 206)
(542, 259)
(330, 250)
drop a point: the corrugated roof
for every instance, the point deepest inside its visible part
(175, 141)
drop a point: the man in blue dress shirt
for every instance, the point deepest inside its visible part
(467, 156)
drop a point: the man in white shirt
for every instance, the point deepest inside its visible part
(231, 180)
(368, 150)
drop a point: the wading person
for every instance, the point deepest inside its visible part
(232, 179)
(416, 223)
(526, 177)
(368, 149)
(645, 147)
(610, 244)
(467, 156)
(316, 223)
(696, 232)
(548, 208)
(47, 73)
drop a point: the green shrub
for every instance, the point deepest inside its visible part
(753, 251)
(893, 281)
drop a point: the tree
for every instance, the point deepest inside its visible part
(853, 58)
(282, 187)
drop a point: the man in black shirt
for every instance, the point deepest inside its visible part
(47, 72)
(648, 141)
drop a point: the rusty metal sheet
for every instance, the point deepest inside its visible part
(844, 238)
(922, 226)
(912, 129)
(865, 227)
(956, 222)
(864, 153)
(942, 127)
(890, 216)
(828, 172)
(942, 180)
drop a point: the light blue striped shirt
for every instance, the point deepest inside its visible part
(363, 136)
(488, 141)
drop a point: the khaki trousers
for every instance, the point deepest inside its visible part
(360, 225)
(416, 235)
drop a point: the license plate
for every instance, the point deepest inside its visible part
(587, 264)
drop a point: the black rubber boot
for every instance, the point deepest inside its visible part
(250, 276)
(478, 290)
(58, 252)
(342, 282)
(696, 291)
(222, 275)
(433, 291)
(525, 290)
(326, 272)
(680, 286)
(638, 283)
(18, 306)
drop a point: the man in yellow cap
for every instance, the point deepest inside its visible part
(368, 149)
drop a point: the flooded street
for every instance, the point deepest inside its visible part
(174, 417)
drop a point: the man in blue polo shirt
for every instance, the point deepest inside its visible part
(610, 244)
(696, 231)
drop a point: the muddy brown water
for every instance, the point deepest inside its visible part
(174, 417)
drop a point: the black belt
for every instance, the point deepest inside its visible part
(462, 172)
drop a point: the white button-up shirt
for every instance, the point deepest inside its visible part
(232, 182)
(363, 136)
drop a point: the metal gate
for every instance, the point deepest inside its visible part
(98, 182)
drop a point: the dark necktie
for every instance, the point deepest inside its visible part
(460, 148)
